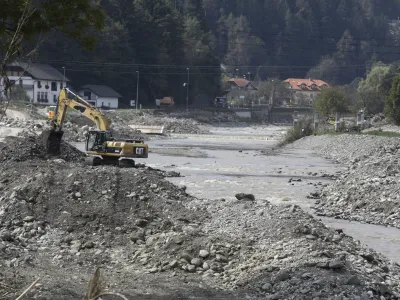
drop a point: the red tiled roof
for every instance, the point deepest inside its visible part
(306, 84)
(240, 82)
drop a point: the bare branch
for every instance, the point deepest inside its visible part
(28, 289)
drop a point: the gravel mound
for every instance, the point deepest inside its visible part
(369, 190)
(59, 220)
(287, 254)
(122, 219)
(77, 129)
(76, 133)
(30, 146)
(179, 123)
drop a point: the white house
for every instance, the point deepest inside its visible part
(100, 95)
(305, 90)
(41, 82)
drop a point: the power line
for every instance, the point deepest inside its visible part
(152, 66)
(199, 73)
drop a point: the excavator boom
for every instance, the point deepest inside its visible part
(78, 104)
(52, 138)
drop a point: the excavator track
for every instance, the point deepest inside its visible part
(98, 161)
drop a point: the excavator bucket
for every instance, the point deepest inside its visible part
(52, 141)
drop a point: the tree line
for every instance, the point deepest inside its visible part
(167, 41)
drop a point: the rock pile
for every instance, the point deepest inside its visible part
(31, 147)
(172, 124)
(369, 190)
(285, 253)
(57, 215)
(77, 133)
(74, 132)
(31, 125)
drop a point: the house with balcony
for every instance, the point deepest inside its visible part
(100, 95)
(305, 91)
(41, 82)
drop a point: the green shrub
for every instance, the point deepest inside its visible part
(302, 129)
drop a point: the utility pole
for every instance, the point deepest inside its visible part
(137, 90)
(64, 78)
(271, 99)
(187, 93)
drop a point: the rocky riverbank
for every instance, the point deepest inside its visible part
(60, 220)
(368, 191)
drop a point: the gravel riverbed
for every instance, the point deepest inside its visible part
(368, 191)
(60, 220)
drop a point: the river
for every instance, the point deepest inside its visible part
(229, 161)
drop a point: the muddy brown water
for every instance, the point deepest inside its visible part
(234, 164)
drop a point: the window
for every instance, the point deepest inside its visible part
(38, 96)
(102, 104)
(61, 86)
(45, 95)
(54, 86)
(87, 95)
(39, 85)
(54, 98)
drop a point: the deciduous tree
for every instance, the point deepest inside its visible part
(331, 101)
(370, 89)
(392, 107)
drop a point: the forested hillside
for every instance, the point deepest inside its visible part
(334, 40)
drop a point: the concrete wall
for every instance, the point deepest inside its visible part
(244, 114)
(107, 102)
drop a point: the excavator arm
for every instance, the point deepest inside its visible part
(78, 104)
(52, 138)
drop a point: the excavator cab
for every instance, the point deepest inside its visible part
(95, 141)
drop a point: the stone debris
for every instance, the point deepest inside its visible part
(178, 121)
(59, 221)
(369, 189)
(170, 123)
(75, 133)
(271, 257)
(31, 147)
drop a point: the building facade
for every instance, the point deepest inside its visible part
(41, 82)
(100, 96)
(239, 91)
(305, 91)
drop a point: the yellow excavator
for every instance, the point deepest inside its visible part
(100, 146)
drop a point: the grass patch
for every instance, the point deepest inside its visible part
(383, 133)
